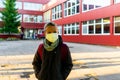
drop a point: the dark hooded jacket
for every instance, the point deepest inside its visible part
(54, 65)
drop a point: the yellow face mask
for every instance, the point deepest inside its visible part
(52, 37)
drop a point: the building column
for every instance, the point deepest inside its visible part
(111, 25)
(80, 6)
(80, 28)
(62, 18)
(112, 2)
(62, 10)
(50, 14)
(22, 9)
(62, 30)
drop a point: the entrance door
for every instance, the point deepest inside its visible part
(30, 33)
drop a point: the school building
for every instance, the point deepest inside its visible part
(80, 21)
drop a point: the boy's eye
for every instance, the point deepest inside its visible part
(54, 31)
(49, 32)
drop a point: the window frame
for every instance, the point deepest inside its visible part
(87, 25)
(72, 9)
(116, 21)
(57, 12)
(70, 28)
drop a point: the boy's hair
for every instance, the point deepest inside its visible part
(49, 24)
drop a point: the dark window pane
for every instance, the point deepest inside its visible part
(117, 18)
(91, 29)
(65, 13)
(98, 20)
(97, 6)
(60, 14)
(73, 30)
(69, 30)
(77, 1)
(98, 29)
(69, 4)
(73, 3)
(84, 7)
(77, 9)
(73, 10)
(117, 27)
(84, 22)
(77, 30)
(65, 5)
(106, 20)
(106, 28)
(69, 11)
(55, 16)
(91, 21)
(91, 7)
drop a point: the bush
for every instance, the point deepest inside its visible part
(1, 39)
(12, 39)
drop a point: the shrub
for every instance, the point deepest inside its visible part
(1, 39)
(12, 39)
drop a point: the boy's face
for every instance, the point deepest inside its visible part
(51, 29)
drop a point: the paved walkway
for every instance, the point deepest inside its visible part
(90, 61)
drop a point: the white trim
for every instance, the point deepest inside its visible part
(71, 34)
(96, 34)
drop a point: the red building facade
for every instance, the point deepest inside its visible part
(31, 16)
(80, 21)
(87, 21)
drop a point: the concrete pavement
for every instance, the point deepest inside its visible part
(90, 61)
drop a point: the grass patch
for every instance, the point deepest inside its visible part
(12, 39)
(1, 39)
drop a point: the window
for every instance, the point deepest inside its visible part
(19, 5)
(116, 1)
(20, 19)
(98, 26)
(84, 7)
(1, 4)
(47, 16)
(65, 29)
(106, 25)
(32, 18)
(106, 28)
(98, 20)
(77, 28)
(71, 7)
(91, 29)
(39, 19)
(117, 24)
(93, 4)
(98, 29)
(32, 6)
(60, 30)
(84, 27)
(0, 17)
(71, 29)
(57, 12)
